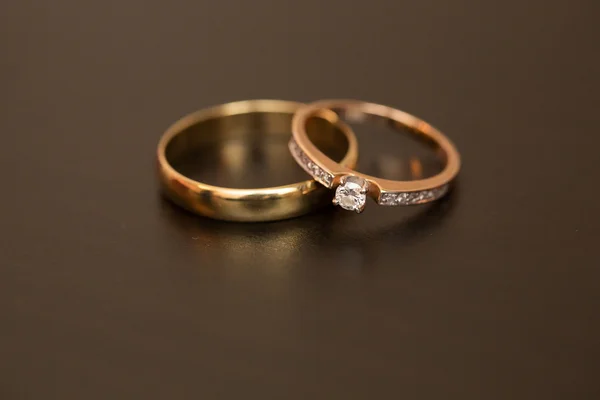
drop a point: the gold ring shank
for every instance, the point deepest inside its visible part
(237, 120)
(384, 191)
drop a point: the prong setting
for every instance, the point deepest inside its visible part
(351, 194)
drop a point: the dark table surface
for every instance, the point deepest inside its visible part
(108, 291)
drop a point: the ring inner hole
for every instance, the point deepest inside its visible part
(248, 150)
(390, 150)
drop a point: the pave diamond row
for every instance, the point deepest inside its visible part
(386, 199)
(409, 198)
(322, 176)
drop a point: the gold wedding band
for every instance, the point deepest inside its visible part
(240, 119)
(353, 187)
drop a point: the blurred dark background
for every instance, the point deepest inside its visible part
(108, 291)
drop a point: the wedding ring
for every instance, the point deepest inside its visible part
(246, 119)
(353, 187)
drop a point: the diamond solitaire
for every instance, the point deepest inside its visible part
(351, 194)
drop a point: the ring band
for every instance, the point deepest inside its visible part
(353, 186)
(241, 119)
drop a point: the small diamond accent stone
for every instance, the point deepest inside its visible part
(387, 199)
(316, 171)
(327, 179)
(415, 197)
(351, 194)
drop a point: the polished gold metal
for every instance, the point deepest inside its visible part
(383, 191)
(237, 120)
